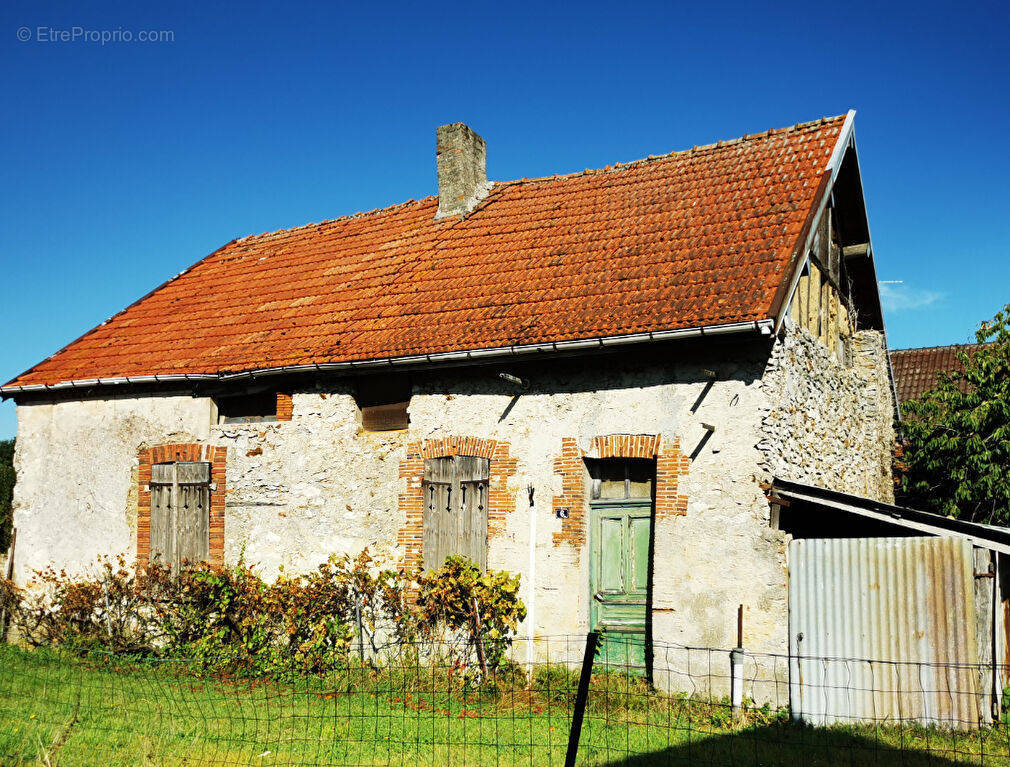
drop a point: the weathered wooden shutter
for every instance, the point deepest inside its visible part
(385, 417)
(455, 510)
(180, 513)
(472, 475)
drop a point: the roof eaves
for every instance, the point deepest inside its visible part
(760, 327)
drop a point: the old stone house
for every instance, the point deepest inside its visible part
(588, 379)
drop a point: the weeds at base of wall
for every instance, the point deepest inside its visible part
(230, 619)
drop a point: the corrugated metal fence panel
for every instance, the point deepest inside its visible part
(882, 629)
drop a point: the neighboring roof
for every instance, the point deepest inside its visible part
(916, 370)
(984, 536)
(703, 237)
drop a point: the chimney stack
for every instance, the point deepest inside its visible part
(461, 159)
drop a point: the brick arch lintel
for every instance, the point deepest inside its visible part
(411, 502)
(671, 465)
(190, 451)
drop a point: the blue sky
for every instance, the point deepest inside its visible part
(123, 163)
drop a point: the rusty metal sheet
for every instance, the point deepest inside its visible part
(883, 629)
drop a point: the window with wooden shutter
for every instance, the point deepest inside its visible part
(455, 509)
(180, 513)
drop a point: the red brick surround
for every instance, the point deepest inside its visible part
(671, 464)
(217, 457)
(411, 502)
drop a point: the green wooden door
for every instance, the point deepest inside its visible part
(619, 578)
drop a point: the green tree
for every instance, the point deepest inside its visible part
(6, 493)
(955, 458)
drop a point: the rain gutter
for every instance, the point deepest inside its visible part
(761, 327)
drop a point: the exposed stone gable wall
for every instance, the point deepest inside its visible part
(830, 423)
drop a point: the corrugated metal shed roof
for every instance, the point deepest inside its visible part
(983, 536)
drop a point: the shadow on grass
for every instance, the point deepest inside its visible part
(795, 745)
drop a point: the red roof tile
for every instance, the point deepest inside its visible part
(700, 237)
(916, 370)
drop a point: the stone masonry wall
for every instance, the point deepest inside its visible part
(316, 485)
(302, 489)
(830, 424)
(77, 468)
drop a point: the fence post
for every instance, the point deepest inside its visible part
(736, 668)
(592, 639)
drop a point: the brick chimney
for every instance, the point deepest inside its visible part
(461, 159)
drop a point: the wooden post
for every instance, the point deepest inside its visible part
(10, 577)
(10, 558)
(361, 634)
(581, 696)
(480, 639)
(995, 701)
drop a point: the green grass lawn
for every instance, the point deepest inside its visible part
(60, 710)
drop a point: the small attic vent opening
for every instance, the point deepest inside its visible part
(383, 401)
(247, 408)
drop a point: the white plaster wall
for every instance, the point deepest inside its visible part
(723, 552)
(76, 462)
(301, 490)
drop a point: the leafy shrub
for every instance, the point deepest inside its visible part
(217, 614)
(231, 619)
(104, 610)
(483, 608)
(352, 589)
(10, 599)
(956, 437)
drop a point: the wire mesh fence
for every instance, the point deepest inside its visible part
(426, 704)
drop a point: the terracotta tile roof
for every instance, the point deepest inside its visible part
(699, 237)
(915, 370)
